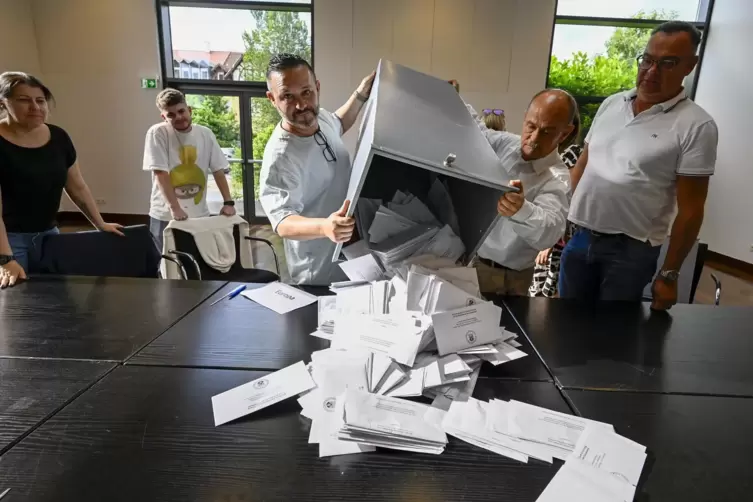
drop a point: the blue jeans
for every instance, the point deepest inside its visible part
(27, 248)
(606, 267)
(157, 228)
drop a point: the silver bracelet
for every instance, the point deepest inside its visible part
(360, 97)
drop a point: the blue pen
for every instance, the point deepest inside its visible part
(230, 295)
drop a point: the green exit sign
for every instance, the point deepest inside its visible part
(148, 83)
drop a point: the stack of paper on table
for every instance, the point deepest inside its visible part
(327, 312)
(389, 422)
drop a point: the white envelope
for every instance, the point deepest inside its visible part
(606, 450)
(280, 297)
(364, 268)
(397, 336)
(550, 427)
(260, 393)
(466, 327)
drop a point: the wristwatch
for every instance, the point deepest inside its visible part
(229, 203)
(669, 275)
(6, 258)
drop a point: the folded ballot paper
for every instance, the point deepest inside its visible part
(280, 297)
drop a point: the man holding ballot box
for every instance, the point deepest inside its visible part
(534, 218)
(306, 169)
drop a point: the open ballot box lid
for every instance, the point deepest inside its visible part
(416, 130)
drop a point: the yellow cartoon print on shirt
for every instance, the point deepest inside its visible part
(187, 178)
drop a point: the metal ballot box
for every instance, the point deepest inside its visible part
(416, 130)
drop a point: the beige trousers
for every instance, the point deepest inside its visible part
(503, 281)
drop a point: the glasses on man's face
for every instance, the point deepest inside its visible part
(645, 62)
(495, 111)
(327, 151)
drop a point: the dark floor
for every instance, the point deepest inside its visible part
(737, 287)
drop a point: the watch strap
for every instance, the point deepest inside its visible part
(229, 203)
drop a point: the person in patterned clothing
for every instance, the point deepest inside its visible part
(547, 269)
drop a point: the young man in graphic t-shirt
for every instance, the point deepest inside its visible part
(180, 155)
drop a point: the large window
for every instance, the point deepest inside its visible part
(216, 52)
(595, 44)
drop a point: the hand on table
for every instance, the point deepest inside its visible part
(511, 202)
(543, 257)
(338, 227)
(227, 211)
(179, 214)
(10, 273)
(664, 294)
(113, 228)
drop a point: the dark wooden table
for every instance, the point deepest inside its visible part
(695, 349)
(92, 318)
(147, 433)
(241, 334)
(32, 390)
(699, 447)
(528, 368)
(236, 333)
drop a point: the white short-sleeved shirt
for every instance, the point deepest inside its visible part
(297, 179)
(629, 184)
(188, 157)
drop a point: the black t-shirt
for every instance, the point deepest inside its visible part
(32, 181)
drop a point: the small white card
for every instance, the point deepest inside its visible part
(260, 393)
(466, 327)
(280, 297)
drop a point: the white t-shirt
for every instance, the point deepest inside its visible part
(629, 184)
(296, 178)
(188, 157)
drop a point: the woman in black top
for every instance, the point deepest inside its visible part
(37, 162)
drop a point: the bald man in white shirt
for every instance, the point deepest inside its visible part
(533, 219)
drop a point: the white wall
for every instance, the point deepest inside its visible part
(497, 49)
(724, 91)
(18, 44)
(93, 54)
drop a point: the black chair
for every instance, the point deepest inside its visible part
(101, 254)
(193, 267)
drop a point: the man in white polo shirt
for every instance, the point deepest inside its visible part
(306, 169)
(648, 156)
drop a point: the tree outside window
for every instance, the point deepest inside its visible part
(590, 78)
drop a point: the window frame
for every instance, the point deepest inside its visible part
(618, 22)
(244, 90)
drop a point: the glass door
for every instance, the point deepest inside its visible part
(221, 114)
(263, 118)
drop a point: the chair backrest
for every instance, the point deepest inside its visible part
(185, 243)
(101, 254)
(689, 272)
